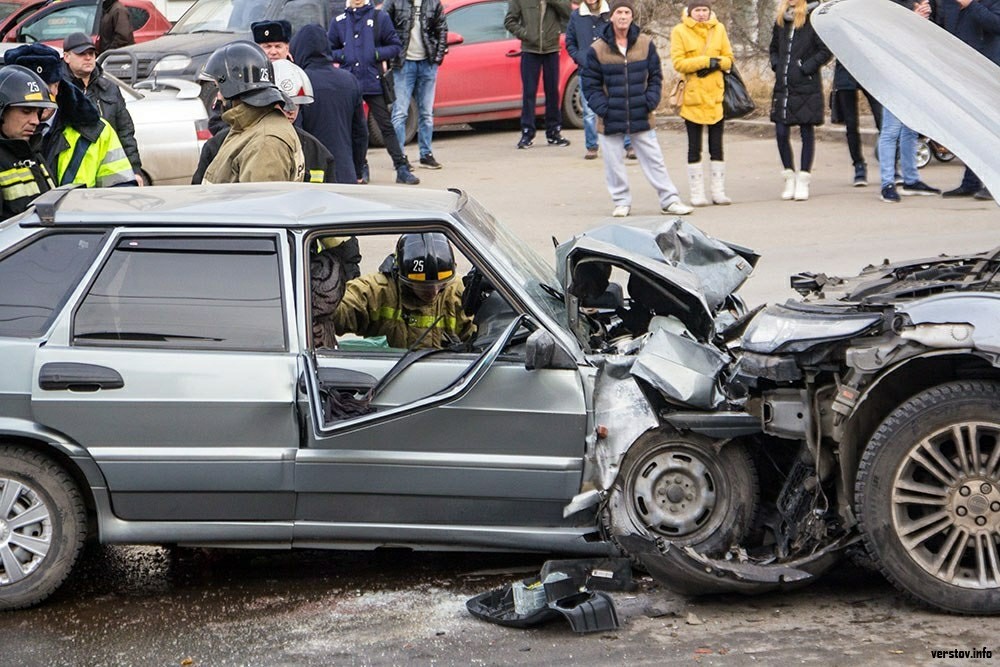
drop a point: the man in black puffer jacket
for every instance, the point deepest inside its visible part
(423, 31)
(80, 56)
(622, 83)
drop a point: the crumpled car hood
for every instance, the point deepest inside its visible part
(698, 269)
(932, 81)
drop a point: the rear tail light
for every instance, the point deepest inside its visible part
(201, 130)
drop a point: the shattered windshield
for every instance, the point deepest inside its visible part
(515, 260)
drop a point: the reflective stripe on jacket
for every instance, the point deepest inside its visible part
(23, 175)
(374, 306)
(98, 164)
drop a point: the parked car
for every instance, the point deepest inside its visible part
(479, 81)
(12, 11)
(181, 52)
(628, 393)
(171, 126)
(53, 21)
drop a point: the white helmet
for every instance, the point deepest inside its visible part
(293, 81)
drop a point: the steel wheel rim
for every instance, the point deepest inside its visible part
(675, 492)
(946, 504)
(25, 531)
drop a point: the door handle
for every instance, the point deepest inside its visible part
(513, 54)
(63, 375)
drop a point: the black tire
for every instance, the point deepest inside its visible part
(31, 482)
(375, 138)
(685, 490)
(928, 489)
(572, 107)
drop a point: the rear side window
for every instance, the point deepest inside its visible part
(479, 23)
(186, 293)
(137, 16)
(36, 279)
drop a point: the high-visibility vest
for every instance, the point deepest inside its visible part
(99, 164)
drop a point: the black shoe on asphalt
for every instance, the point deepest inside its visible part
(889, 194)
(557, 140)
(526, 140)
(405, 176)
(860, 174)
(428, 162)
(919, 188)
(959, 192)
(983, 194)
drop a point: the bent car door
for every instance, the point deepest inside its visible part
(173, 366)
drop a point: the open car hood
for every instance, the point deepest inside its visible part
(931, 80)
(699, 271)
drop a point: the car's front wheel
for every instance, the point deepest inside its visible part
(43, 524)
(572, 106)
(686, 489)
(928, 497)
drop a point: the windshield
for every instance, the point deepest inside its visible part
(220, 16)
(515, 260)
(237, 15)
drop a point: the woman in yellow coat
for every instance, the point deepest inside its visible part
(700, 51)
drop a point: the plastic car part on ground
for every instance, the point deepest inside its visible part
(573, 589)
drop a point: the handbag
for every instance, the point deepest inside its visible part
(675, 98)
(736, 101)
(388, 87)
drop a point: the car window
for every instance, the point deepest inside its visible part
(8, 8)
(36, 279)
(60, 22)
(186, 292)
(137, 16)
(211, 15)
(303, 12)
(444, 307)
(482, 22)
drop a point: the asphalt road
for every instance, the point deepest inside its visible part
(153, 606)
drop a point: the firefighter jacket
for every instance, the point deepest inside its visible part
(23, 174)
(375, 305)
(82, 147)
(261, 146)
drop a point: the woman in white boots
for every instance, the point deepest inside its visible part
(797, 54)
(700, 51)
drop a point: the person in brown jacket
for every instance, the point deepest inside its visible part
(261, 145)
(116, 26)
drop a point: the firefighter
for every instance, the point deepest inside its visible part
(413, 297)
(24, 97)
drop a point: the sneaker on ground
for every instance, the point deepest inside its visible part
(406, 177)
(591, 154)
(919, 188)
(959, 192)
(676, 208)
(525, 141)
(889, 194)
(557, 140)
(860, 175)
(630, 154)
(983, 194)
(621, 211)
(428, 162)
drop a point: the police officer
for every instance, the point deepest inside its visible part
(24, 96)
(414, 296)
(261, 145)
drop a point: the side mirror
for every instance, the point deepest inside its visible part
(542, 351)
(453, 39)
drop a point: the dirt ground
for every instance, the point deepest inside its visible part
(153, 606)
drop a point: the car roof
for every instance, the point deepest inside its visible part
(240, 204)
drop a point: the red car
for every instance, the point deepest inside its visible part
(54, 20)
(480, 79)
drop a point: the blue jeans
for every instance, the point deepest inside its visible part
(416, 79)
(894, 132)
(589, 123)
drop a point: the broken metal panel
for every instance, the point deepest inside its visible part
(787, 414)
(685, 571)
(681, 369)
(668, 249)
(622, 409)
(931, 80)
(980, 311)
